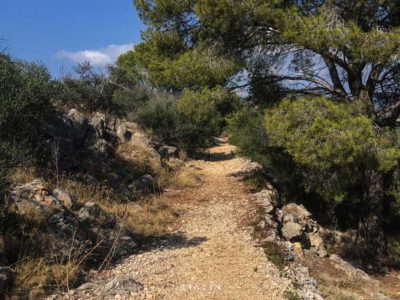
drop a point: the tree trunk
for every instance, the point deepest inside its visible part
(370, 235)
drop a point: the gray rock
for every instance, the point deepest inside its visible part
(267, 199)
(145, 183)
(6, 279)
(100, 146)
(89, 212)
(123, 133)
(126, 246)
(98, 123)
(306, 286)
(122, 286)
(317, 244)
(70, 236)
(168, 151)
(67, 199)
(350, 270)
(33, 200)
(79, 121)
(296, 213)
(292, 231)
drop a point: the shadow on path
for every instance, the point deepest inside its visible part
(218, 156)
(172, 241)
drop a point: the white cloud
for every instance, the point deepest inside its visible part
(97, 57)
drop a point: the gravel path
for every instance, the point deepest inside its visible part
(211, 255)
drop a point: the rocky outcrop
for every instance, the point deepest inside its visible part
(349, 270)
(297, 234)
(117, 288)
(73, 229)
(292, 223)
(306, 286)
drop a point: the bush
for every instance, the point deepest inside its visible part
(24, 102)
(246, 131)
(162, 116)
(89, 90)
(334, 145)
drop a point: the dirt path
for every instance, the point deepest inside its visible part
(212, 255)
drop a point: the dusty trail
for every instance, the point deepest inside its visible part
(212, 255)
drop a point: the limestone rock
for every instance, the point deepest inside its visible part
(348, 268)
(89, 212)
(98, 123)
(123, 133)
(167, 151)
(66, 198)
(317, 244)
(33, 200)
(79, 121)
(298, 250)
(122, 286)
(267, 199)
(292, 231)
(296, 213)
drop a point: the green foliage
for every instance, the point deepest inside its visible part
(394, 249)
(165, 62)
(25, 100)
(274, 254)
(90, 91)
(208, 106)
(127, 101)
(333, 143)
(246, 130)
(161, 115)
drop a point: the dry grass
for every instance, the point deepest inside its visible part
(336, 293)
(151, 217)
(139, 155)
(147, 217)
(23, 175)
(188, 177)
(35, 278)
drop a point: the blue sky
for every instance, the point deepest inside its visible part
(60, 33)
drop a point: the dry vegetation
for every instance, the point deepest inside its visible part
(38, 271)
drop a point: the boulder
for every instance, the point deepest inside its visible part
(292, 231)
(6, 279)
(98, 123)
(168, 151)
(67, 199)
(298, 250)
(347, 268)
(122, 286)
(34, 201)
(89, 212)
(317, 244)
(126, 246)
(306, 286)
(145, 183)
(79, 121)
(267, 199)
(123, 133)
(296, 213)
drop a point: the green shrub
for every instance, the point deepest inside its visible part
(246, 131)
(161, 115)
(88, 90)
(394, 249)
(333, 144)
(274, 254)
(25, 97)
